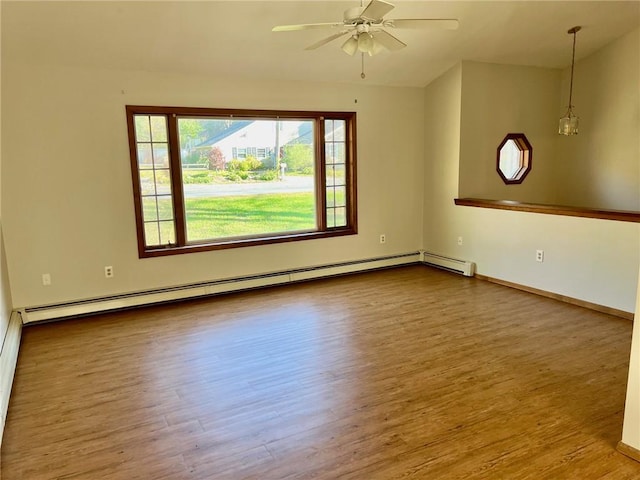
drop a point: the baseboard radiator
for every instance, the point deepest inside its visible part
(462, 267)
(8, 361)
(96, 305)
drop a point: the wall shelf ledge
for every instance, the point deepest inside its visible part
(618, 215)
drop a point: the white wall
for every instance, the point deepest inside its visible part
(502, 99)
(631, 428)
(66, 184)
(588, 259)
(5, 290)
(603, 160)
(598, 168)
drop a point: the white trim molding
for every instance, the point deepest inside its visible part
(8, 361)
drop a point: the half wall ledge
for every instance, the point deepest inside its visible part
(618, 215)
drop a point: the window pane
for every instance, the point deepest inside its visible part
(335, 159)
(334, 130)
(341, 197)
(143, 130)
(159, 233)
(145, 158)
(162, 182)
(339, 175)
(160, 155)
(167, 233)
(151, 234)
(331, 221)
(331, 198)
(340, 217)
(147, 182)
(329, 152)
(247, 177)
(156, 200)
(158, 128)
(510, 159)
(330, 175)
(328, 130)
(339, 153)
(149, 209)
(165, 208)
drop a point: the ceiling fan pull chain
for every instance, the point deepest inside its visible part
(362, 75)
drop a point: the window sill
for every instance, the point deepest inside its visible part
(237, 243)
(618, 215)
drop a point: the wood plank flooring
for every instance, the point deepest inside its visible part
(407, 373)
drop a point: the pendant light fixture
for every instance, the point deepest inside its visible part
(569, 123)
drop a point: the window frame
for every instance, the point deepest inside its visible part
(525, 160)
(182, 246)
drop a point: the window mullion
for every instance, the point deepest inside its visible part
(352, 198)
(321, 180)
(176, 181)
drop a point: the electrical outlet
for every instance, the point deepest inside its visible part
(539, 255)
(459, 240)
(46, 279)
(108, 272)
(383, 238)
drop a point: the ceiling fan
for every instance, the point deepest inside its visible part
(365, 27)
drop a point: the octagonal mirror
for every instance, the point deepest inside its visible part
(514, 158)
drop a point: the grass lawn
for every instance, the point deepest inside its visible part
(219, 217)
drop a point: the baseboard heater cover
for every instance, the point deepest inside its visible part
(203, 289)
(462, 267)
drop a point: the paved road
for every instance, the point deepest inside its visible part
(289, 184)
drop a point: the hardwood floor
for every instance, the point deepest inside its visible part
(409, 373)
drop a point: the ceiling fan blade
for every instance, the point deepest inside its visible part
(443, 23)
(324, 41)
(305, 26)
(376, 10)
(388, 41)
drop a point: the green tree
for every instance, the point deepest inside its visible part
(298, 157)
(189, 129)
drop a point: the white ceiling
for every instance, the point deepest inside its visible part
(234, 38)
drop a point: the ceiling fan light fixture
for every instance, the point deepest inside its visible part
(377, 47)
(365, 43)
(350, 47)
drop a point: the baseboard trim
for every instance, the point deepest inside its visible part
(630, 452)
(562, 298)
(50, 312)
(8, 361)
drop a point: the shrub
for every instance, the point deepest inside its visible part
(268, 176)
(252, 163)
(234, 165)
(298, 157)
(216, 159)
(249, 164)
(196, 177)
(232, 176)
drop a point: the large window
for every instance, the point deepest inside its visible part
(207, 179)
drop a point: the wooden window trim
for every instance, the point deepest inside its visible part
(526, 157)
(176, 178)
